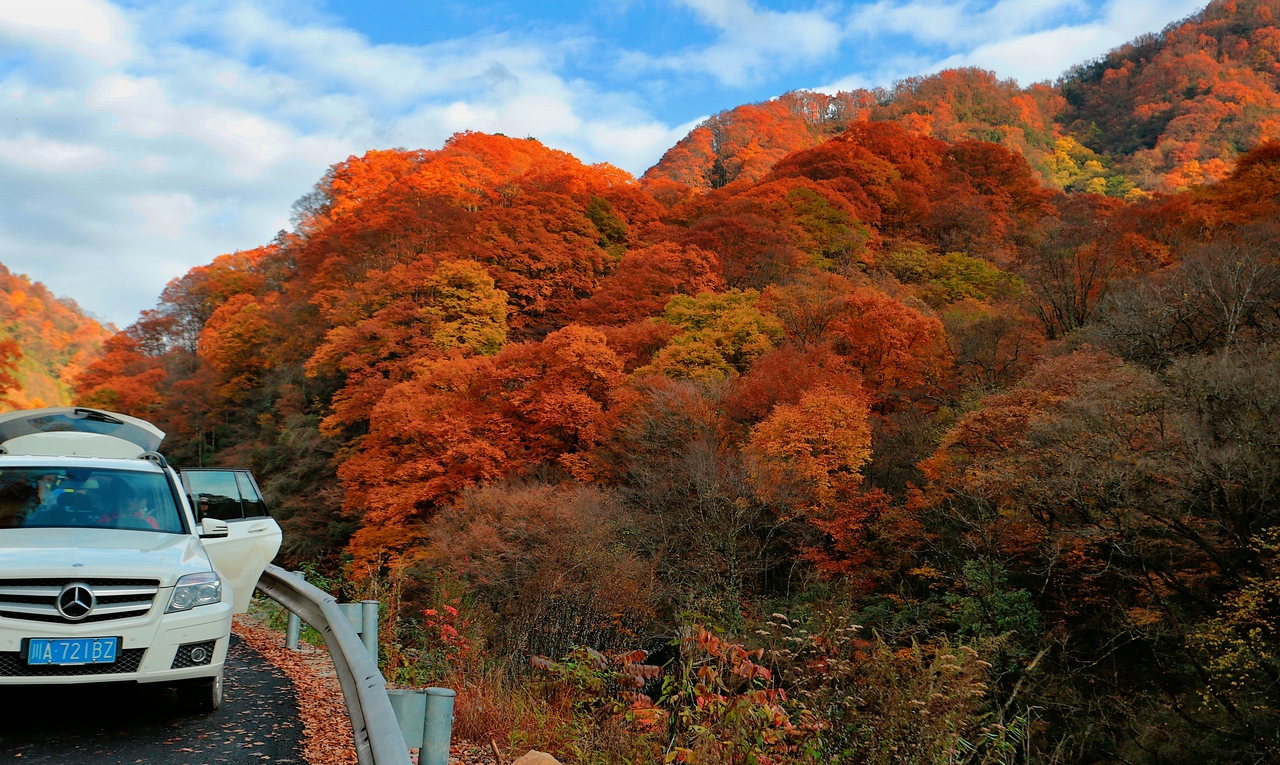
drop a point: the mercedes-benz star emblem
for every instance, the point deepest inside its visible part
(76, 601)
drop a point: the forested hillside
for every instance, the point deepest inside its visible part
(873, 442)
(46, 341)
(1165, 112)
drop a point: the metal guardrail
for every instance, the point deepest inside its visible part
(377, 733)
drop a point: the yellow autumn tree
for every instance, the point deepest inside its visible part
(720, 333)
(472, 312)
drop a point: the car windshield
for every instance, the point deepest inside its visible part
(68, 497)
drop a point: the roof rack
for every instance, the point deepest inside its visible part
(155, 457)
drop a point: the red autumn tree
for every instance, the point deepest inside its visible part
(460, 421)
(646, 279)
(124, 380)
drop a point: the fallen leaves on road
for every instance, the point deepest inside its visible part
(327, 737)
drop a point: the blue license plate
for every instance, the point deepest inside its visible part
(70, 651)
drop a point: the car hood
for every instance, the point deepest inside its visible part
(99, 553)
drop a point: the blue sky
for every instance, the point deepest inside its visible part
(138, 139)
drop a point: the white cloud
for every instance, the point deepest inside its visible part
(152, 163)
(1026, 39)
(249, 142)
(1029, 40)
(632, 144)
(751, 41)
(140, 105)
(1033, 57)
(208, 144)
(163, 215)
(540, 115)
(959, 21)
(1046, 54)
(846, 83)
(92, 29)
(51, 156)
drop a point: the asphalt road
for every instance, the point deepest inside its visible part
(128, 724)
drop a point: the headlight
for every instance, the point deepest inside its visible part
(195, 590)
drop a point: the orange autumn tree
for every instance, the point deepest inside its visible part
(348, 184)
(532, 216)
(816, 445)
(645, 279)
(10, 355)
(1250, 193)
(124, 380)
(808, 458)
(743, 143)
(423, 311)
(783, 375)
(234, 338)
(893, 345)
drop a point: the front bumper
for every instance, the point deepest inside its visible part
(151, 640)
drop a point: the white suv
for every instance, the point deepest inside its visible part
(106, 573)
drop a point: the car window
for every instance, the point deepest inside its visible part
(215, 494)
(62, 497)
(254, 507)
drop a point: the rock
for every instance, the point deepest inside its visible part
(535, 757)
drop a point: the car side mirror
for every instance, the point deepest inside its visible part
(214, 528)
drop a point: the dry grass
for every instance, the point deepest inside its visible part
(512, 713)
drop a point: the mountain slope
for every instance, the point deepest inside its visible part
(1164, 112)
(1176, 108)
(493, 382)
(56, 339)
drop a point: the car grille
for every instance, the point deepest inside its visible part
(15, 665)
(36, 600)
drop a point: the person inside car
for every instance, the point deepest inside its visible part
(137, 510)
(129, 510)
(17, 499)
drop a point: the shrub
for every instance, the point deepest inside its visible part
(553, 565)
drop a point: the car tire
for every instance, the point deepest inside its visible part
(201, 696)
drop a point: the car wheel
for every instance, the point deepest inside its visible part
(201, 696)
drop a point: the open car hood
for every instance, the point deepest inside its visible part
(78, 419)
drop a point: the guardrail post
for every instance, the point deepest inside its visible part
(369, 627)
(438, 730)
(426, 721)
(410, 706)
(293, 626)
